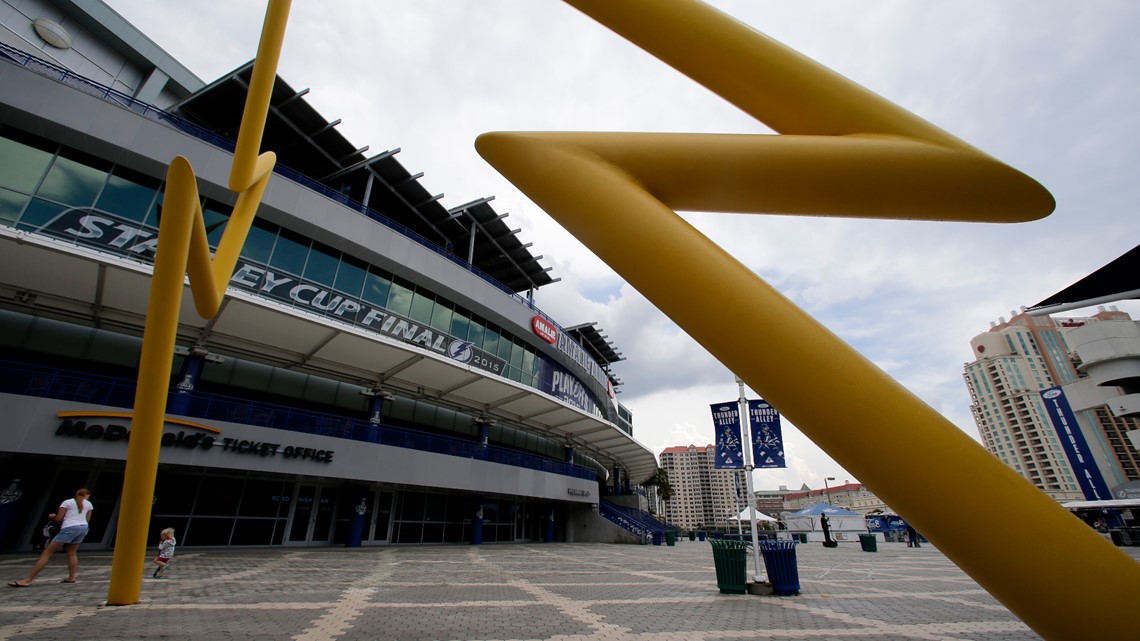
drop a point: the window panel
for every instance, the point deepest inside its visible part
(377, 285)
(38, 213)
(400, 298)
(476, 332)
(290, 252)
(422, 306)
(441, 317)
(11, 204)
(215, 215)
(491, 340)
(322, 264)
(22, 166)
(460, 323)
(72, 182)
(128, 194)
(259, 243)
(350, 276)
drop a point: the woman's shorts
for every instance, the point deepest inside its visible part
(71, 535)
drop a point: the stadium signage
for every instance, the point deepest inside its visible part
(195, 441)
(122, 236)
(544, 329)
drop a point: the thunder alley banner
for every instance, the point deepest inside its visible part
(767, 439)
(726, 427)
(1074, 444)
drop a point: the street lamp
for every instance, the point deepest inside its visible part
(826, 491)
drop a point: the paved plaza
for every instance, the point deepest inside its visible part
(563, 592)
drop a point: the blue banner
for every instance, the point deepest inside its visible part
(1076, 448)
(767, 438)
(726, 427)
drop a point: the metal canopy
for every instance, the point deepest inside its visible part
(1118, 280)
(93, 289)
(306, 142)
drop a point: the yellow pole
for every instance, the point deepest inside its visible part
(852, 154)
(183, 248)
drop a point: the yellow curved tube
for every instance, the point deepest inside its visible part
(852, 154)
(183, 249)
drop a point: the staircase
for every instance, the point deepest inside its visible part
(641, 524)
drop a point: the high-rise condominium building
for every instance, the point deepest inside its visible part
(703, 496)
(1016, 360)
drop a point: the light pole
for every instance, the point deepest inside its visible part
(826, 491)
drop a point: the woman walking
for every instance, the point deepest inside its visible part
(73, 515)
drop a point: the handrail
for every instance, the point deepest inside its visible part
(112, 96)
(50, 382)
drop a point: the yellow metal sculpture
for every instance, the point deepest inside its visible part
(844, 152)
(183, 249)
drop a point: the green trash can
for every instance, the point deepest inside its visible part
(868, 542)
(670, 537)
(692, 535)
(731, 561)
(803, 537)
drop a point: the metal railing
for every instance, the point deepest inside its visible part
(120, 99)
(48, 382)
(640, 524)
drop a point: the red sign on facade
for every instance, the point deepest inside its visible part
(544, 329)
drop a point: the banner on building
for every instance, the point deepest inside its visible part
(726, 428)
(1073, 441)
(767, 437)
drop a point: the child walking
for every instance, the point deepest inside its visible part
(166, 545)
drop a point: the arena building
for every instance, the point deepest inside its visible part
(378, 352)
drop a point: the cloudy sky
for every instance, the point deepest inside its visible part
(1048, 86)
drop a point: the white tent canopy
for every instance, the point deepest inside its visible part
(839, 519)
(743, 516)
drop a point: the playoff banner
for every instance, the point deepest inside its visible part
(767, 439)
(726, 427)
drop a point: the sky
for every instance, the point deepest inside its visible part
(1049, 87)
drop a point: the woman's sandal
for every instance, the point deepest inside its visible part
(17, 584)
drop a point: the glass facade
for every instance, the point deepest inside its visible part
(42, 183)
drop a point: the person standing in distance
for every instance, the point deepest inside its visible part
(74, 515)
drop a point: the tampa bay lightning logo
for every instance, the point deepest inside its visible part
(1051, 394)
(461, 351)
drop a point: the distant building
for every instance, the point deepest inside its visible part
(1095, 361)
(702, 495)
(851, 496)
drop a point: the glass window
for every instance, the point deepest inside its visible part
(259, 242)
(263, 498)
(11, 204)
(441, 316)
(128, 194)
(350, 276)
(39, 213)
(290, 252)
(400, 298)
(459, 323)
(74, 182)
(219, 496)
(424, 414)
(376, 287)
(475, 333)
(422, 306)
(491, 339)
(216, 215)
(412, 507)
(505, 347)
(22, 166)
(323, 261)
